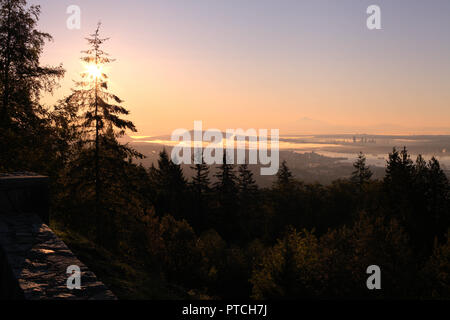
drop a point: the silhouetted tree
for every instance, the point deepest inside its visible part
(21, 75)
(24, 129)
(362, 173)
(101, 160)
(398, 181)
(247, 184)
(418, 196)
(99, 115)
(200, 180)
(201, 193)
(226, 178)
(250, 220)
(284, 175)
(170, 185)
(226, 192)
(437, 196)
(399, 170)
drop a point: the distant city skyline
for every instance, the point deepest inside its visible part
(299, 66)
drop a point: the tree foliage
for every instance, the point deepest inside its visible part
(362, 173)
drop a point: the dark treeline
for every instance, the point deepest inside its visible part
(224, 239)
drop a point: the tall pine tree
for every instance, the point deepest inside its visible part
(247, 184)
(101, 122)
(284, 176)
(226, 178)
(200, 187)
(227, 195)
(170, 185)
(200, 180)
(362, 173)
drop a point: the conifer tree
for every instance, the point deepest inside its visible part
(200, 181)
(226, 195)
(170, 184)
(201, 193)
(420, 170)
(247, 184)
(362, 173)
(226, 178)
(284, 175)
(399, 165)
(102, 165)
(101, 110)
(399, 172)
(169, 174)
(438, 198)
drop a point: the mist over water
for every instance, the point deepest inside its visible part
(346, 147)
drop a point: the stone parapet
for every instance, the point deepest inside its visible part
(33, 260)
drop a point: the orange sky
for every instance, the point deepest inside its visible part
(298, 68)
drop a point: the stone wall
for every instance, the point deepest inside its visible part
(33, 260)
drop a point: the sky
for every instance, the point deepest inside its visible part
(307, 66)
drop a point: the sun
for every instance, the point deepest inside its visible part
(94, 71)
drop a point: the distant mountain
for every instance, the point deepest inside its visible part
(307, 125)
(310, 126)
